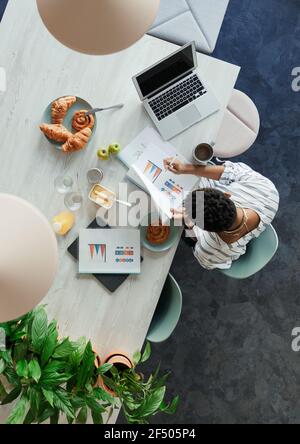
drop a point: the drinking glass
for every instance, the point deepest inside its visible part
(73, 200)
(63, 184)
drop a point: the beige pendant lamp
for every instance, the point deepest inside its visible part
(98, 27)
(28, 257)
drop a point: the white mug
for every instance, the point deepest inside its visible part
(203, 153)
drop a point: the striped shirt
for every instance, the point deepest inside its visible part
(249, 189)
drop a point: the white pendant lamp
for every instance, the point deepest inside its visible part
(28, 257)
(98, 26)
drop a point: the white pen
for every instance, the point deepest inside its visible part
(172, 161)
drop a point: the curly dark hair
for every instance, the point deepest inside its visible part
(219, 211)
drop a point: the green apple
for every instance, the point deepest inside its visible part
(103, 153)
(114, 148)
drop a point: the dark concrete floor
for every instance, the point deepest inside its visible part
(3, 4)
(230, 355)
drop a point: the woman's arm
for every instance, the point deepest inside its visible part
(209, 171)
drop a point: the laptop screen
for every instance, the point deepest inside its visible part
(166, 71)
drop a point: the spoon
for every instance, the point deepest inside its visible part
(97, 110)
(107, 200)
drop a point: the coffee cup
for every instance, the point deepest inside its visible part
(203, 153)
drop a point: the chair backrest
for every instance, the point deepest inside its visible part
(167, 312)
(260, 252)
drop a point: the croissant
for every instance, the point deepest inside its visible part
(55, 132)
(158, 234)
(60, 108)
(78, 141)
(81, 120)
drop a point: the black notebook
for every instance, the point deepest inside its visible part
(110, 281)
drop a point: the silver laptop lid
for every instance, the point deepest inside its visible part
(166, 71)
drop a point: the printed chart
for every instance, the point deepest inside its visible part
(152, 171)
(124, 255)
(98, 252)
(172, 189)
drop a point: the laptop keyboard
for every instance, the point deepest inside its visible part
(177, 97)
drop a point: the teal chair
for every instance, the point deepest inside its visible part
(259, 253)
(167, 312)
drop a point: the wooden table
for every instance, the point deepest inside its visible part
(39, 69)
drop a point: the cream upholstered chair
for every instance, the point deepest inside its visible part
(181, 21)
(240, 126)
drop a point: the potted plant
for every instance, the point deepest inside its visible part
(49, 377)
(120, 361)
(140, 397)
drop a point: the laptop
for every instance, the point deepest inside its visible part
(173, 93)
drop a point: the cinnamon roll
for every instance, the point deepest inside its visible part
(81, 120)
(158, 234)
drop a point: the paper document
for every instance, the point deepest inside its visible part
(168, 190)
(109, 251)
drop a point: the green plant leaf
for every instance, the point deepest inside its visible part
(137, 358)
(103, 395)
(49, 396)
(54, 366)
(50, 343)
(54, 380)
(35, 399)
(20, 351)
(87, 367)
(12, 376)
(151, 404)
(97, 417)
(18, 413)
(46, 414)
(94, 405)
(110, 383)
(63, 349)
(147, 353)
(14, 394)
(63, 403)
(104, 368)
(78, 350)
(22, 369)
(96, 409)
(55, 417)
(70, 420)
(6, 356)
(82, 415)
(171, 408)
(30, 417)
(2, 366)
(34, 370)
(53, 375)
(39, 329)
(3, 393)
(77, 402)
(160, 382)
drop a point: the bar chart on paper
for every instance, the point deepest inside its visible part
(172, 189)
(98, 252)
(166, 188)
(152, 171)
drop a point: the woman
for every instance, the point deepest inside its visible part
(239, 204)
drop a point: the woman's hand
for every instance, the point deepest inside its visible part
(178, 214)
(176, 167)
